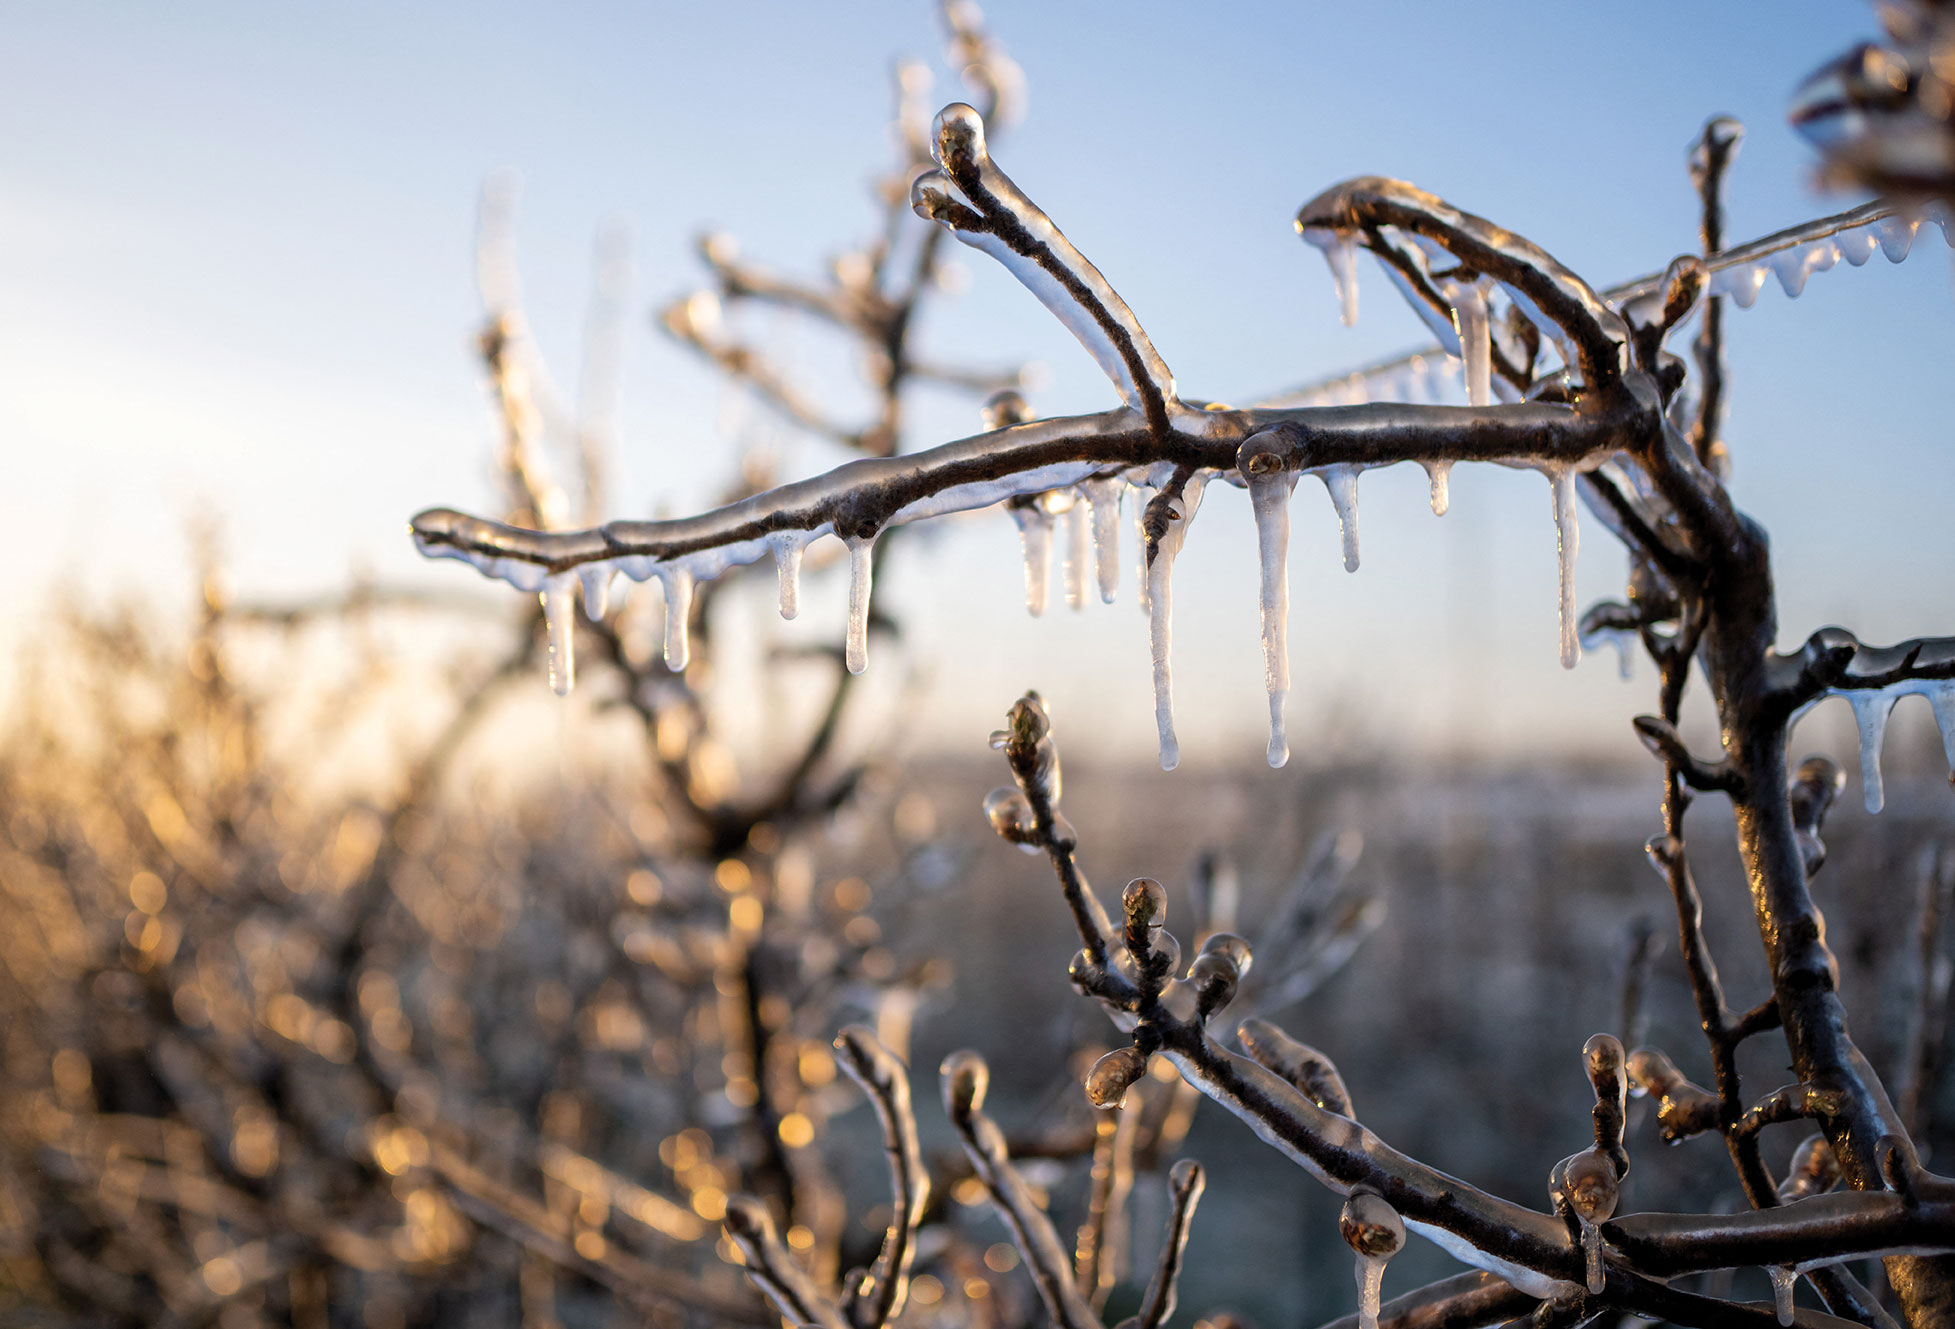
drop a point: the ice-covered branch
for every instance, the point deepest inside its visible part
(773, 1268)
(1833, 662)
(878, 1296)
(1884, 114)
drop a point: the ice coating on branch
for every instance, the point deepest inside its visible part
(1103, 496)
(1035, 539)
(1783, 1280)
(787, 568)
(1269, 498)
(1341, 253)
(1160, 606)
(1078, 538)
(983, 208)
(1341, 482)
(1475, 340)
(1374, 1230)
(677, 581)
(1439, 473)
(1870, 712)
(559, 597)
(862, 562)
(1568, 536)
(597, 590)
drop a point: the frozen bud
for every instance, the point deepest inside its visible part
(1167, 950)
(1232, 948)
(1010, 814)
(1683, 283)
(1588, 1183)
(719, 249)
(1263, 454)
(957, 138)
(931, 199)
(1027, 719)
(747, 1219)
(1214, 980)
(1814, 787)
(1146, 903)
(1813, 1170)
(1113, 1075)
(1369, 1225)
(1004, 408)
(1309, 1071)
(1603, 1053)
(966, 1078)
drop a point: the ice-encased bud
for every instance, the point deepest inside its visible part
(1113, 1075)
(1010, 814)
(1684, 282)
(1369, 1225)
(1263, 453)
(957, 137)
(1027, 719)
(1145, 902)
(747, 1218)
(1813, 1171)
(1217, 972)
(966, 1079)
(1722, 134)
(1004, 408)
(1232, 948)
(1309, 1071)
(932, 199)
(1589, 1184)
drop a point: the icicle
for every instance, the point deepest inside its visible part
(1341, 253)
(1782, 1283)
(1568, 537)
(1857, 246)
(1592, 1251)
(1941, 696)
(1143, 595)
(1439, 474)
(1078, 533)
(1371, 1284)
(855, 653)
(559, 619)
(1103, 501)
(597, 589)
(1342, 482)
(1475, 340)
(787, 566)
(1160, 606)
(1896, 237)
(1870, 711)
(1269, 496)
(1035, 537)
(677, 581)
(1741, 283)
(1796, 264)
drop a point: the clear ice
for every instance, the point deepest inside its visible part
(1078, 536)
(1783, 1280)
(559, 597)
(1342, 482)
(1475, 340)
(1103, 502)
(596, 578)
(1035, 538)
(1160, 605)
(855, 651)
(1439, 473)
(1870, 712)
(1269, 497)
(1341, 253)
(1568, 535)
(1592, 1254)
(677, 581)
(787, 567)
(1371, 1284)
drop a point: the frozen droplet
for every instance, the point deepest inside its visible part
(677, 581)
(1870, 712)
(1342, 483)
(1592, 1253)
(1035, 538)
(1783, 1280)
(1742, 282)
(855, 650)
(1078, 536)
(787, 567)
(596, 579)
(559, 599)
(1269, 497)
(1475, 340)
(1340, 251)
(1858, 245)
(1103, 501)
(1439, 474)
(1942, 697)
(1896, 236)
(1568, 536)
(1371, 1285)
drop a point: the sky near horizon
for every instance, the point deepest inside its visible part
(236, 268)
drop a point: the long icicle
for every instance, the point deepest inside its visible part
(855, 651)
(787, 567)
(1342, 483)
(678, 617)
(1078, 539)
(1269, 497)
(1475, 341)
(559, 597)
(1160, 604)
(1568, 538)
(1870, 712)
(1103, 500)
(1035, 539)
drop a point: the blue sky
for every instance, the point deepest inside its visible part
(235, 264)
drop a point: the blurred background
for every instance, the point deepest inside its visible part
(354, 978)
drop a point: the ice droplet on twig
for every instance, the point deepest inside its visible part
(855, 650)
(560, 625)
(787, 567)
(1475, 340)
(677, 582)
(1371, 1284)
(1870, 712)
(1896, 237)
(1782, 1283)
(1078, 533)
(1439, 473)
(1568, 537)
(1340, 251)
(1342, 483)
(1160, 606)
(1103, 501)
(596, 578)
(1269, 497)
(1035, 538)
